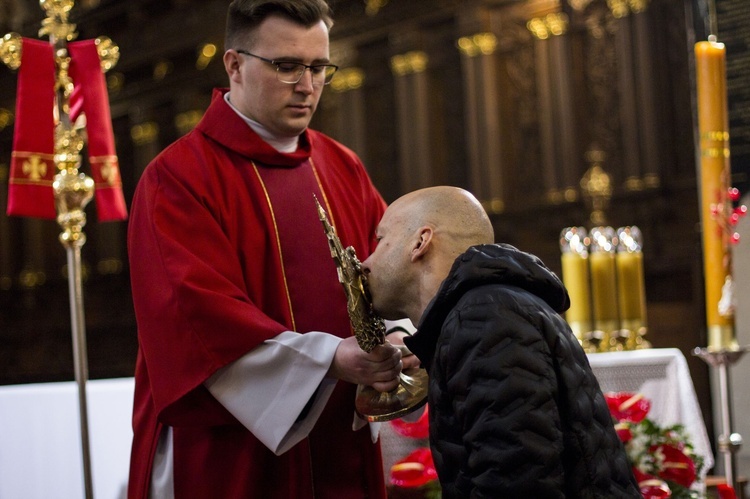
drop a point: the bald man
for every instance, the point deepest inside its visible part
(515, 410)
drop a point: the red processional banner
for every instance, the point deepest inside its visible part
(32, 169)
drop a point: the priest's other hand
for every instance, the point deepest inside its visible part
(379, 368)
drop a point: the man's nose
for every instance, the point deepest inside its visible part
(306, 81)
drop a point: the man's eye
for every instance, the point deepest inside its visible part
(287, 67)
(316, 70)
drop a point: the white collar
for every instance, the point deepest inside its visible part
(281, 144)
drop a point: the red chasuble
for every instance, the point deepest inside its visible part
(226, 251)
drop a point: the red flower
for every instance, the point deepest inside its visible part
(414, 470)
(665, 453)
(418, 429)
(650, 486)
(628, 406)
(623, 431)
(676, 467)
(725, 491)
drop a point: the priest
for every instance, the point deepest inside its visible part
(247, 369)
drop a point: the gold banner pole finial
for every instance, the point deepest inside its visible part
(369, 329)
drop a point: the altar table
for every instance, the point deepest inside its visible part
(40, 439)
(663, 377)
(40, 446)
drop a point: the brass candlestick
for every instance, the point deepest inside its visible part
(369, 329)
(729, 442)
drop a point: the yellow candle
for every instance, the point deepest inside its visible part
(630, 285)
(603, 287)
(603, 290)
(631, 289)
(710, 67)
(575, 273)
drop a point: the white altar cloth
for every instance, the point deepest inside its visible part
(40, 446)
(40, 439)
(663, 377)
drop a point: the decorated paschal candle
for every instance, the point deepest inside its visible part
(575, 275)
(710, 67)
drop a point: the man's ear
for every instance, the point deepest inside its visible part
(422, 243)
(232, 65)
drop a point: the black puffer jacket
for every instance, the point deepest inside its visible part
(515, 410)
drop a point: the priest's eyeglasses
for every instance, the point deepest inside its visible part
(291, 72)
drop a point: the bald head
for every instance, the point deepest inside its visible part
(454, 214)
(420, 236)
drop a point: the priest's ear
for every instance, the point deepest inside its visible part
(232, 65)
(422, 244)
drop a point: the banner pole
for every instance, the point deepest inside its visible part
(72, 191)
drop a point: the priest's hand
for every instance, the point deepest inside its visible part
(379, 368)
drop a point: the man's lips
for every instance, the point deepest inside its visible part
(299, 107)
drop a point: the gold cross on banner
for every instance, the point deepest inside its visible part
(35, 168)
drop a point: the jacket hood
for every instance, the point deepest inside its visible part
(480, 265)
(504, 264)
